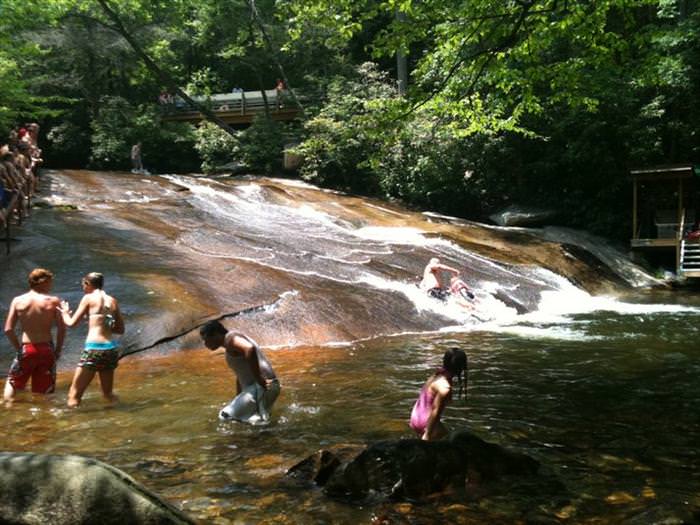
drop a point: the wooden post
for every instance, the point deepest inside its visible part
(634, 208)
(680, 200)
(679, 235)
(242, 102)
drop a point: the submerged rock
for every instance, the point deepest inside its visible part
(41, 488)
(410, 468)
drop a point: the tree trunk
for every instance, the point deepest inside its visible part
(271, 50)
(162, 75)
(401, 61)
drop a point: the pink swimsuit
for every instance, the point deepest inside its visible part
(424, 405)
(421, 410)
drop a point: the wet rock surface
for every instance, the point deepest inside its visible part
(409, 468)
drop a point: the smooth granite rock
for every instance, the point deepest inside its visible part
(69, 490)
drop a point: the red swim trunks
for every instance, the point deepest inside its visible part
(38, 362)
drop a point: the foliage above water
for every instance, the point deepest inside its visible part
(529, 101)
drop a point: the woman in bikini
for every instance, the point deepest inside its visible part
(436, 393)
(100, 354)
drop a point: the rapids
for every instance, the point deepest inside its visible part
(598, 381)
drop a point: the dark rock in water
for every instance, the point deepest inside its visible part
(410, 468)
(320, 466)
(516, 215)
(69, 490)
(511, 303)
(490, 461)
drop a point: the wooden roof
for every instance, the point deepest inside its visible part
(666, 172)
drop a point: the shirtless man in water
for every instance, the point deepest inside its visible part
(36, 312)
(431, 283)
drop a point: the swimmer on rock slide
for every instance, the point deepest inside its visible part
(432, 283)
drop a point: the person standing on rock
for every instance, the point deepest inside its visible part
(257, 386)
(136, 162)
(436, 393)
(101, 354)
(37, 313)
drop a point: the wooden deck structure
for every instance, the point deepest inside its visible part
(235, 108)
(665, 206)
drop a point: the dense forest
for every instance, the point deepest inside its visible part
(457, 106)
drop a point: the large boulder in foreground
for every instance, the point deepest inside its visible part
(409, 468)
(40, 489)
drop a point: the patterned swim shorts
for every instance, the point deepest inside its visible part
(99, 356)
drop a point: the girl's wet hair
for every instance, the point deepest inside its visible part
(94, 279)
(455, 362)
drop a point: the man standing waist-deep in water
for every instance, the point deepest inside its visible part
(257, 387)
(37, 313)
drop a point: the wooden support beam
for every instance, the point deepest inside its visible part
(635, 233)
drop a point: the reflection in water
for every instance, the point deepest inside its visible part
(604, 393)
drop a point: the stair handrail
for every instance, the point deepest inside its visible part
(680, 243)
(681, 225)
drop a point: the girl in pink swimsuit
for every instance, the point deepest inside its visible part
(436, 393)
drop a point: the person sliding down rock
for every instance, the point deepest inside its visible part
(459, 288)
(431, 283)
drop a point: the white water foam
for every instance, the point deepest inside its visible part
(567, 300)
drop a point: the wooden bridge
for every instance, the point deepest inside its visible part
(234, 108)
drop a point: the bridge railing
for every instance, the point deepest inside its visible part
(242, 101)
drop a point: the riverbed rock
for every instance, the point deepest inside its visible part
(41, 488)
(410, 468)
(320, 466)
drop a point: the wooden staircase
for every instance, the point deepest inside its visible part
(689, 264)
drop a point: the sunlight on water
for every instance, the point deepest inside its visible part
(580, 409)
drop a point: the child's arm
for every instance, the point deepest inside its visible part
(447, 268)
(442, 395)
